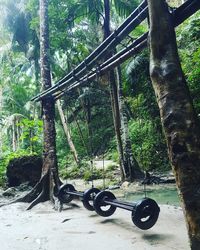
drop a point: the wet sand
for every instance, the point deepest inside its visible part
(75, 228)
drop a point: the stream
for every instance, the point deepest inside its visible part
(162, 194)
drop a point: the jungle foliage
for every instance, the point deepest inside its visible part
(75, 31)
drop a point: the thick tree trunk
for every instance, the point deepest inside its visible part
(67, 132)
(180, 123)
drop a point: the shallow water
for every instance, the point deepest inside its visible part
(162, 195)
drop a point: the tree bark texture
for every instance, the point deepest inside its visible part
(180, 123)
(127, 162)
(131, 166)
(1, 134)
(50, 166)
(67, 132)
(117, 123)
(43, 190)
(16, 133)
(114, 93)
(14, 136)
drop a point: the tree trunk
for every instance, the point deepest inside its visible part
(67, 132)
(49, 180)
(131, 166)
(180, 123)
(117, 124)
(31, 134)
(113, 93)
(1, 134)
(50, 166)
(14, 133)
(127, 162)
(14, 143)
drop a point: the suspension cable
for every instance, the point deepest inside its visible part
(104, 181)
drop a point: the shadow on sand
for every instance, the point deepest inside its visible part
(157, 238)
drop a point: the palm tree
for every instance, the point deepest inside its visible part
(13, 130)
(49, 180)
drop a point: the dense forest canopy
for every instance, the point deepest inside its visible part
(76, 29)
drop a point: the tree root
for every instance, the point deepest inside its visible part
(40, 198)
(9, 203)
(58, 205)
(28, 197)
(39, 193)
(32, 194)
(36, 195)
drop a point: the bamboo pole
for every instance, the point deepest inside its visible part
(59, 89)
(180, 14)
(103, 70)
(137, 16)
(185, 10)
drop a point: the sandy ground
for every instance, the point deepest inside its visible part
(75, 228)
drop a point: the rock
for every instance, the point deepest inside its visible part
(26, 169)
(158, 179)
(10, 192)
(125, 184)
(24, 187)
(113, 187)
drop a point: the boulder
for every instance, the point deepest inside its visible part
(125, 185)
(10, 192)
(24, 169)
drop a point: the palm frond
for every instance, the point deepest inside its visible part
(125, 7)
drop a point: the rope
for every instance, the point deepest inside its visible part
(145, 190)
(92, 170)
(89, 150)
(141, 151)
(90, 133)
(104, 181)
(90, 137)
(91, 153)
(80, 132)
(144, 183)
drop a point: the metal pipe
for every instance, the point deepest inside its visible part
(75, 193)
(118, 204)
